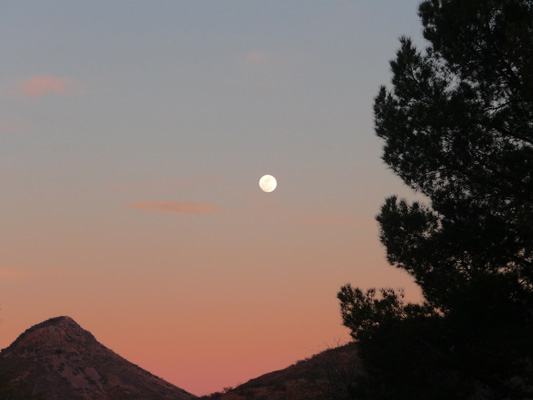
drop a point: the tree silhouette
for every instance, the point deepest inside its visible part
(458, 128)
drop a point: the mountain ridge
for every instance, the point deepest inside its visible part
(60, 360)
(57, 360)
(327, 375)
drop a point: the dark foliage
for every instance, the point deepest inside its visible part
(458, 128)
(12, 389)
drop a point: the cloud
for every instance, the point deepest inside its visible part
(44, 85)
(176, 207)
(255, 58)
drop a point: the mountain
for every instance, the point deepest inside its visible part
(58, 360)
(324, 376)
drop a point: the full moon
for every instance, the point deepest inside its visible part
(268, 183)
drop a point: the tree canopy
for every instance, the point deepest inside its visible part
(458, 128)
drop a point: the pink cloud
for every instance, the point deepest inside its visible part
(176, 207)
(43, 85)
(255, 58)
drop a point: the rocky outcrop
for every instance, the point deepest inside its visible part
(60, 360)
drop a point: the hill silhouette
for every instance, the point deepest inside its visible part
(60, 360)
(324, 376)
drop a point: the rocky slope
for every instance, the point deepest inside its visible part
(325, 376)
(60, 360)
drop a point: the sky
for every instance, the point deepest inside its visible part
(133, 135)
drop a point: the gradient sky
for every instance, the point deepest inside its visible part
(132, 138)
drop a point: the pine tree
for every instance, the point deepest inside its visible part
(458, 128)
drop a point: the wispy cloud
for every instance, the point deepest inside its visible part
(44, 85)
(258, 66)
(176, 207)
(255, 58)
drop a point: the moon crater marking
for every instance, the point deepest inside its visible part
(268, 183)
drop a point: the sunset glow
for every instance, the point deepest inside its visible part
(133, 138)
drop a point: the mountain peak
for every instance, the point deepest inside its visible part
(62, 320)
(54, 333)
(62, 360)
